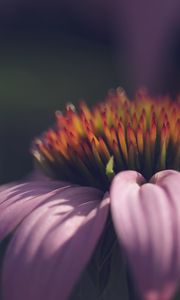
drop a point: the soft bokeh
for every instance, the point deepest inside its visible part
(55, 52)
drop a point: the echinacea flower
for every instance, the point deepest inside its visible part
(120, 160)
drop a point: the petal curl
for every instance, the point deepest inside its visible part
(51, 247)
(17, 200)
(147, 221)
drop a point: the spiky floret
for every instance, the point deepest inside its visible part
(90, 146)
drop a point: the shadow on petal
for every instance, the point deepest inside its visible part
(147, 221)
(51, 246)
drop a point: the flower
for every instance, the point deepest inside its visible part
(120, 158)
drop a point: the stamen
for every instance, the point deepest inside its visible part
(90, 146)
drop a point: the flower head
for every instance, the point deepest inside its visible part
(116, 135)
(131, 151)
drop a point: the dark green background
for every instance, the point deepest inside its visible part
(39, 73)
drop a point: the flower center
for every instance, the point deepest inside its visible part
(89, 147)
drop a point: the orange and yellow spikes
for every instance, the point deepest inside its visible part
(143, 134)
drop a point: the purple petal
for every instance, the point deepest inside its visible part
(147, 221)
(52, 246)
(19, 199)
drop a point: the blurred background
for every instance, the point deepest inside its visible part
(56, 52)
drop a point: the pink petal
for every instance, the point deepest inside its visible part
(52, 246)
(147, 221)
(19, 199)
